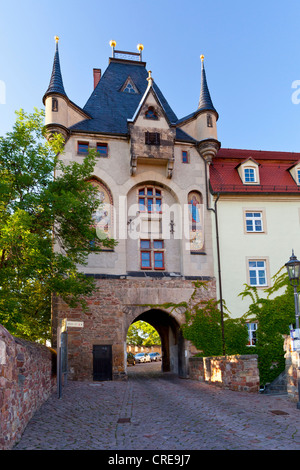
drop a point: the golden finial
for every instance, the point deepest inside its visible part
(140, 47)
(149, 78)
(56, 39)
(112, 43)
(202, 58)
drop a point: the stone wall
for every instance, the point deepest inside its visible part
(27, 378)
(238, 373)
(114, 305)
(291, 369)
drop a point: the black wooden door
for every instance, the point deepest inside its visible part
(102, 362)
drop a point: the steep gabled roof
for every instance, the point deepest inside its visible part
(110, 107)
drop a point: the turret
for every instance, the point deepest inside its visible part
(60, 112)
(206, 121)
(56, 101)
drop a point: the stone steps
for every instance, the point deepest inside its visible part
(277, 387)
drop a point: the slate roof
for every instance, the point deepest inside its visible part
(56, 82)
(109, 107)
(205, 102)
(273, 171)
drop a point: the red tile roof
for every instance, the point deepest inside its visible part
(273, 171)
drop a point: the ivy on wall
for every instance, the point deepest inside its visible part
(273, 315)
(272, 308)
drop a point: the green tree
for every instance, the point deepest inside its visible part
(141, 333)
(44, 203)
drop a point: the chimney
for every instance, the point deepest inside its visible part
(97, 76)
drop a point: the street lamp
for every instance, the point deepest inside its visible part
(293, 269)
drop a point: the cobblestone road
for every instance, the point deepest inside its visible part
(154, 411)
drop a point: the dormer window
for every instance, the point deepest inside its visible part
(249, 175)
(295, 172)
(129, 87)
(249, 171)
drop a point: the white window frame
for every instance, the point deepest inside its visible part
(254, 216)
(248, 179)
(252, 328)
(259, 265)
(249, 165)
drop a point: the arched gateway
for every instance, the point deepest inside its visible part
(97, 337)
(174, 347)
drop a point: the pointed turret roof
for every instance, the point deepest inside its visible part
(56, 82)
(205, 102)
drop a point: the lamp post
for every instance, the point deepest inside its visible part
(293, 269)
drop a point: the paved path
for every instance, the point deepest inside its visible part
(154, 411)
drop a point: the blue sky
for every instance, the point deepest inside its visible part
(251, 54)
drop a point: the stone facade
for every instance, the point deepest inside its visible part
(117, 303)
(27, 378)
(291, 369)
(237, 373)
(151, 173)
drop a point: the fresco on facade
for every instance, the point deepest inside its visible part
(196, 221)
(103, 216)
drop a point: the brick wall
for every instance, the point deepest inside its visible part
(114, 304)
(27, 378)
(238, 373)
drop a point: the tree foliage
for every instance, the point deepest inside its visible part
(44, 203)
(141, 333)
(273, 315)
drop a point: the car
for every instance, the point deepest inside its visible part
(130, 359)
(147, 358)
(139, 357)
(155, 356)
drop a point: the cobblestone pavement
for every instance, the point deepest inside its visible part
(154, 411)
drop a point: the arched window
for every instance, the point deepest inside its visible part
(196, 228)
(150, 113)
(150, 199)
(103, 217)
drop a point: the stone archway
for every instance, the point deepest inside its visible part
(173, 344)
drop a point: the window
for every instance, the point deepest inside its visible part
(152, 138)
(254, 222)
(209, 120)
(250, 176)
(257, 273)
(129, 88)
(83, 148)
(150, 199)
(185, 157)
(150, 113)
(152, 254)
(54, 104)
(252, 327)
(298, 176)
(102, 149)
